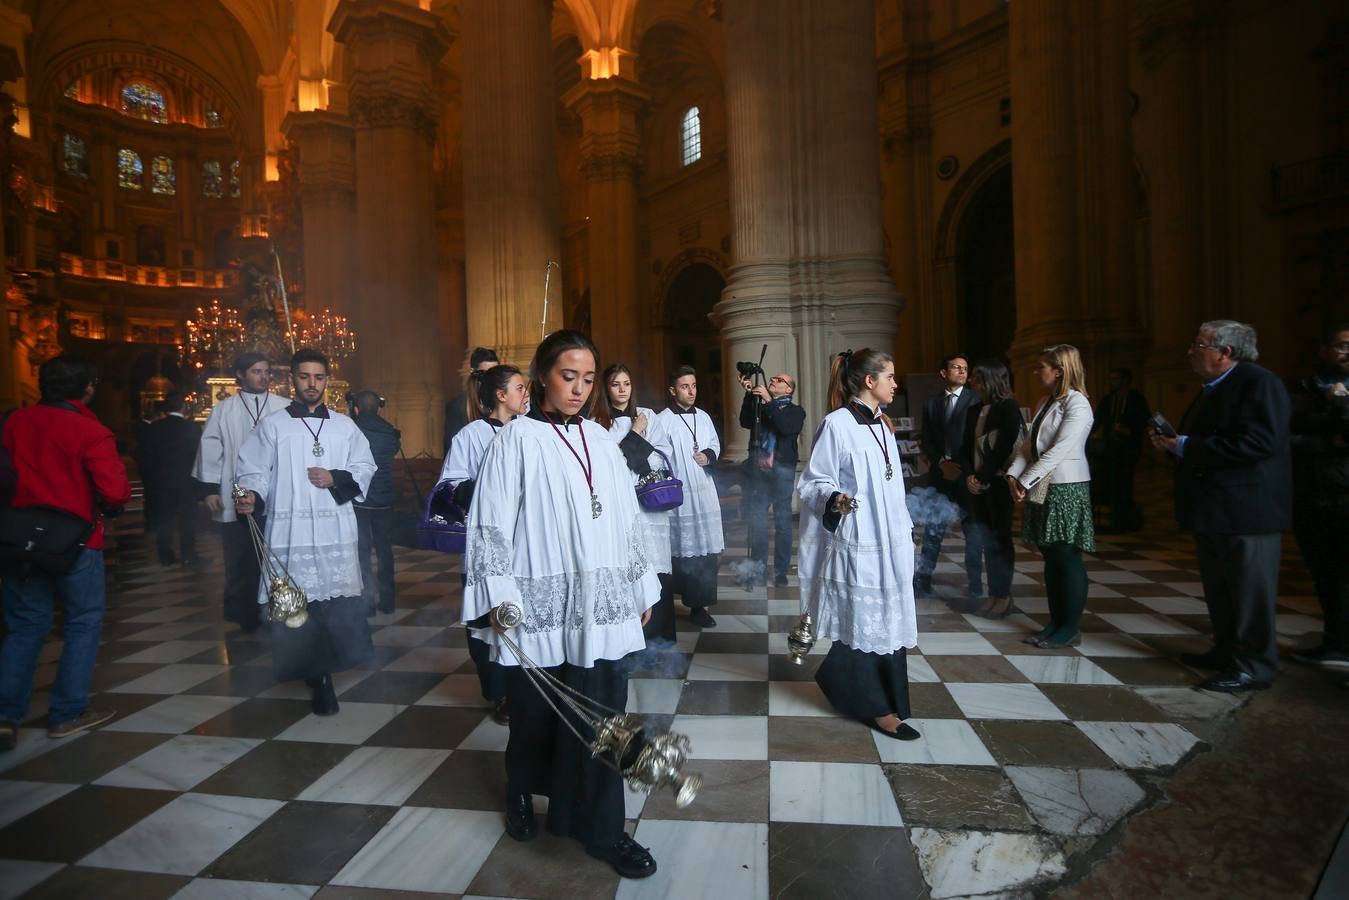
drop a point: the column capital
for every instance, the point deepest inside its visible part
(610, 135)
(393, 22)
(326, 168)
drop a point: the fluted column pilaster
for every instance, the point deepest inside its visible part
(326, 164)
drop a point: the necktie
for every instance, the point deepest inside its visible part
(951, 405)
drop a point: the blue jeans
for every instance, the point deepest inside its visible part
(762, 488)
(974, 556)
(29, 605)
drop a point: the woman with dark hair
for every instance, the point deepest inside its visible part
(495, 397)
(554, 530)
(640, 436)
(993, 433)
(856, 559)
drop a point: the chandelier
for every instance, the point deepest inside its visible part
(328, 333)
(213, 337)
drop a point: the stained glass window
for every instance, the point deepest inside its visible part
(144, 101)
(162, 177)
(234, 178)
(213, 118)
(690, 137)
(212, 182)
(75, 156)
(130, 169)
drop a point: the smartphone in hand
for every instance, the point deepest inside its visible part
(1159, 424)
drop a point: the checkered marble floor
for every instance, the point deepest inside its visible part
(214, 782)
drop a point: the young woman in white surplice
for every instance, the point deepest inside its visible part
(696, 538)
(555, 528)
(856, 563)
(307, 463)
(495, 396)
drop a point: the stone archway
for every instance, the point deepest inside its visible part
(691, 288)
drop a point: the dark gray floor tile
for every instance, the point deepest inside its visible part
(87, 759)
(75, 825)
(1055, 744)
(724, 698)
(552, 867)
(953, 797)
(820, 739)
(107, 884)
(1101, 703)
(732, 791)
(841, 862)
(303, 843)
(239, 681)
(393, 687)
(715, 642)
(469, 779)
(432, 727)
(259, 717)
(275, 770)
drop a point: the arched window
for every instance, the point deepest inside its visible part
(163, 180)
(234, 178)
(144, 101)
(74, 156)
(212, 181)
(130, 169)
(690, 137)
(213, 118)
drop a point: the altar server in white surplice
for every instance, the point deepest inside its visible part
(496, 395)
(554, 528)
(304, 466)
(856, 560)
(695, 527)
(231, 420)
(642, 438)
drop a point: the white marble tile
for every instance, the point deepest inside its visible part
(19, 798)
(944, 742)
(732, 861)
(224, 889)
(1100, 590)
(429, 659)
(724, 737)
(1034, 606)
(960, 643)
(1289, 623)
(404, 635)
(784, 606)
(1140, 745)
(162, 614)
(1187, 703)
(633, 802)
(18, 876)
(1004, 701)
(1115, 576)
(1017, 623)
(920, 670)
(1174, 606)
(487, 736)
(1076, 801)
(168, 652)
(179, 764)
(168, 632)
(798, 698)
(1192, 588)
(1145, 623)
(728, 667)
(654, 695)
(1114, 645)
(731, 623)
(1062, 670)
(297, 690)
(184, 836)
(433, 850)
(426, 589)
(174, 715)
(354, 724)
(381, 776)
(686, 641)
(455, 690)
(968, 863)
(171, 679)
(1029, 565)
(831, 794)
(32, 742)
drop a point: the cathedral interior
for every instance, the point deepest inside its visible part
(688, 181)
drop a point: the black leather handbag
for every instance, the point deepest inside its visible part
(40, 539)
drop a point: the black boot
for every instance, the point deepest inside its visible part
(323, 699)
(628, 858)
(520, 817)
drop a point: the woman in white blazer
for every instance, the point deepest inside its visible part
(1051, 476)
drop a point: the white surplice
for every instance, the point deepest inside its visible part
(313, 535)
(582, 582)
(857, 582)
(655, 525)
(695, 527)
(467, 451)
(231, 420)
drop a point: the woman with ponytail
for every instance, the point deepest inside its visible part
(856, 559)
(495, 396)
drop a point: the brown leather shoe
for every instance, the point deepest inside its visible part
(9, 736)
(85, 720)
(501, 712)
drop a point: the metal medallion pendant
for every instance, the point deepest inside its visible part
(889, 471)
(318, 449)
(595, 507)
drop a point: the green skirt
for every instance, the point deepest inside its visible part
(1064, 518)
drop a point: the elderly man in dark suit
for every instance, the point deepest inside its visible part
(941, 440)
(1234, 491)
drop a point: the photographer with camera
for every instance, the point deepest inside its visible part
(774, 422)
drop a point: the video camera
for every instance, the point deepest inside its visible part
(752, 370)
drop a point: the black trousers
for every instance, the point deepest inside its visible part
(1115, 487)
(1240, 573)
(990, 528)
(1320, 536)
(763, 489)
(175, 514)
(374, 529)
(585, 797)
(493, 678)
(865, 685)
(241, 573)
(695, 579)
(336, 637)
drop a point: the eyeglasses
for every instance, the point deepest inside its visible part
(1199, 345)
(958, 368)
(785, 381)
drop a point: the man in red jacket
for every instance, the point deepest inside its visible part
(65, 459)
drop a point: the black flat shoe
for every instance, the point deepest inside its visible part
(905, 731)
(520, 817)
(702, 618)
(322, 696)
(1047, 644)
(628, 858)
(1210, 660)
(1234, 682)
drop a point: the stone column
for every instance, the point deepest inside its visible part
(809, 275)
(1072, 185)
(1170, 50)
(326, 147)
(610, 138)
(510, 174)
(391, 50)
